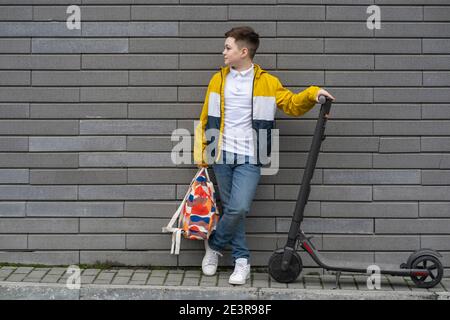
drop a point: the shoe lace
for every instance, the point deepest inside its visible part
(212, 259)
(240, 269)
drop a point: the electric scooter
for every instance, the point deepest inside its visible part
(285, 264)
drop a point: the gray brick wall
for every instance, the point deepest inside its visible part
(86, 118)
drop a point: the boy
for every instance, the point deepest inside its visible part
(240, 97)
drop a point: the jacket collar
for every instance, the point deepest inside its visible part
(256, 68)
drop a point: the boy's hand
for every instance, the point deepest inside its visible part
(324, 93)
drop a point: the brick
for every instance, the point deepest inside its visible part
(327, 225)
(391, 13)
(37, 29)
(169, 78)
(16, 13)
(399, 145)
(130, 258)
(13, 242)
(436, 209)
(88, 13)
(411, 62)
(77, 143)
(334, 160)
(39, 160)
(14, 143)
(436, 45)
(40, 257)
(409, 160)
(127, 192)
(335, 127)
(292, 78)
(372, 176)
(373, 78)
(350, 144)
(160, 175)
(422, 127)
(366, 243)
(35, 62)
(369, 210)
(326, 193)
(436, 79)
(217, 29)
(130, 159)
(130, 29)
(135, 94)
(32, 225)
(14, 110)
(435, 177)
(129, 61)
(13, 192)
(88, 176)
(180, 12)
(79, 110)
(14, 176)
(435, 242)
(15, 45)
(79, 78)
(127, 127)
(31, 94)
(413, 30)
(290, 176)
(281, 208)
(382, 46)
(121, 225)
(76, 242)
(412, 193)
(323, 29)
(39, 127)
(282, 12)
(411, 226)
(74, 209)
(166, 110)
(149, 143)
(81, 45)
(321, 62)
(150, 209)
(14, 78)
(148, 242)
(12, 209)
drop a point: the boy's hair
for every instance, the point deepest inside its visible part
(246, 35)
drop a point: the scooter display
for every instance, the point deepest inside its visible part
(285, 264)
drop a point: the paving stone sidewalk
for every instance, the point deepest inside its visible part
(194, 278)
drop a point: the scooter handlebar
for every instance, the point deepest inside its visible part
(322, 99)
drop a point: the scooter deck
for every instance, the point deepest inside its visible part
(360, 266)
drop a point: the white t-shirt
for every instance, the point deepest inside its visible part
(238, 134)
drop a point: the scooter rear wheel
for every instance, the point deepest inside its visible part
(295, 267)
(434, 267)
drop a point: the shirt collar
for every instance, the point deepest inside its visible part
(244, 73)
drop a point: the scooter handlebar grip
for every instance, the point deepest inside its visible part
(322, 99)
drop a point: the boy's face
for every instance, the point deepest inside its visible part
(232, 54)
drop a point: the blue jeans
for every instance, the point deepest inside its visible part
(237, 184)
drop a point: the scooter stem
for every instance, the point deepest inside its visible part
(305, 189)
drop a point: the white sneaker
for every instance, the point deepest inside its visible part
(210, 260)
(241, 272)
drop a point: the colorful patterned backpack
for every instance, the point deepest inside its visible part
(197, 215)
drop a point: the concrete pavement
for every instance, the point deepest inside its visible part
(168, 283)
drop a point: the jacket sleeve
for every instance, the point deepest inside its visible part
(296, 104)
(199, 134)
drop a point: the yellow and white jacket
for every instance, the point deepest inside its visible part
(268, 94)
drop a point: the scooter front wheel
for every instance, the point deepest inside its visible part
(295, 267)
(434, 268)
